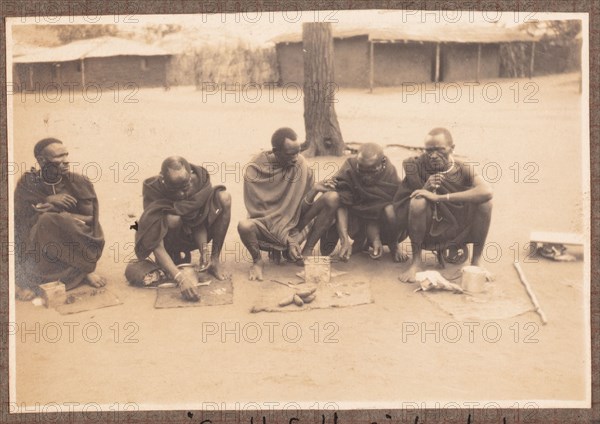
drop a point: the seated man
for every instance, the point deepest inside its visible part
(279, 193)
(57, 232)
(368, 186)
(450, 204)
(182, 213)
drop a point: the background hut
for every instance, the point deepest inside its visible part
(392, 56)
(104, 61)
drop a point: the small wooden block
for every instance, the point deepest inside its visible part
(556, 238)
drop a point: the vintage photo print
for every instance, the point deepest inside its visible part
(299, 210)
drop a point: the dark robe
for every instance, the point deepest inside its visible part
(52, 246)
(201, 207)
(273, 196)
(454, 218)
(366, 202)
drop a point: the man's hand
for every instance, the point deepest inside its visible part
(325, 186)
(188, 290)
(421, 193)
(345, 249)
(434, 182)
(44, 207)
(62, 200)
(294, 251)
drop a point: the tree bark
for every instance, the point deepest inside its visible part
(323, 134)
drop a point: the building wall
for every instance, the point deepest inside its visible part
(398, 63)
(490, 61)
(395, 63)
(459, 62)
(127, 69)
(290, 63)
(105, 72)
(351, 62)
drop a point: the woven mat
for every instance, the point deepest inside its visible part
(340, 292)
(500, 300)
(87, 298)
(217, 293)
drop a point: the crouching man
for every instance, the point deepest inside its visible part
(450, 204)
(57, 229)
(182, 213)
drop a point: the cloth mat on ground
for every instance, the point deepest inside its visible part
(340, 292)
(217, 293)
(501, 299)
(87, 298)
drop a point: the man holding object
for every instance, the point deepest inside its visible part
(450, 204)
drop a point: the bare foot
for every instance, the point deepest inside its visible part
(256, 271)
(377, 250)
(24, 294)
(204, 263)
(216, 268)
(397, 255)
(409, 275)
(95, 280)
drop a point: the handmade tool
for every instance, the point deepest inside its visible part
(531, 294)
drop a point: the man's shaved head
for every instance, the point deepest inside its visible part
(41, 145)
(370, 154)
(279, 136)
(443, 132)
(370, 163)
(175, 169)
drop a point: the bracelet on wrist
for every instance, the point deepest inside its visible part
(177, 279)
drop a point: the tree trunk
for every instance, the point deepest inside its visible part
(323, 133)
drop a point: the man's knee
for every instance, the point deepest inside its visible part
(331, 200)
(418, 206)
(485, 208)
(481, 222)
(173, 221)
(246, 227)
(224, 199)
(45, 219)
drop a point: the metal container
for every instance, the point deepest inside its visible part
(473, 279)
(317, 269)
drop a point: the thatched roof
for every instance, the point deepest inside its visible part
(443, 33)
(94, 47)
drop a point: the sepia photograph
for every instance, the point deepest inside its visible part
(317, 211)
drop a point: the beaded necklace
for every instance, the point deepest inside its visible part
(53, 185)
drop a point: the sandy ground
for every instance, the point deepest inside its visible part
(343, 355)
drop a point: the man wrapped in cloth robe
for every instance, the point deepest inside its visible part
(373, 205)
(182, 213)
(58, 236)
(450, 205)
(281, 199)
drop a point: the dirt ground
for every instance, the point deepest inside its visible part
(361, 356)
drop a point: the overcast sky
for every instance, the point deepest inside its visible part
(261, 27)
